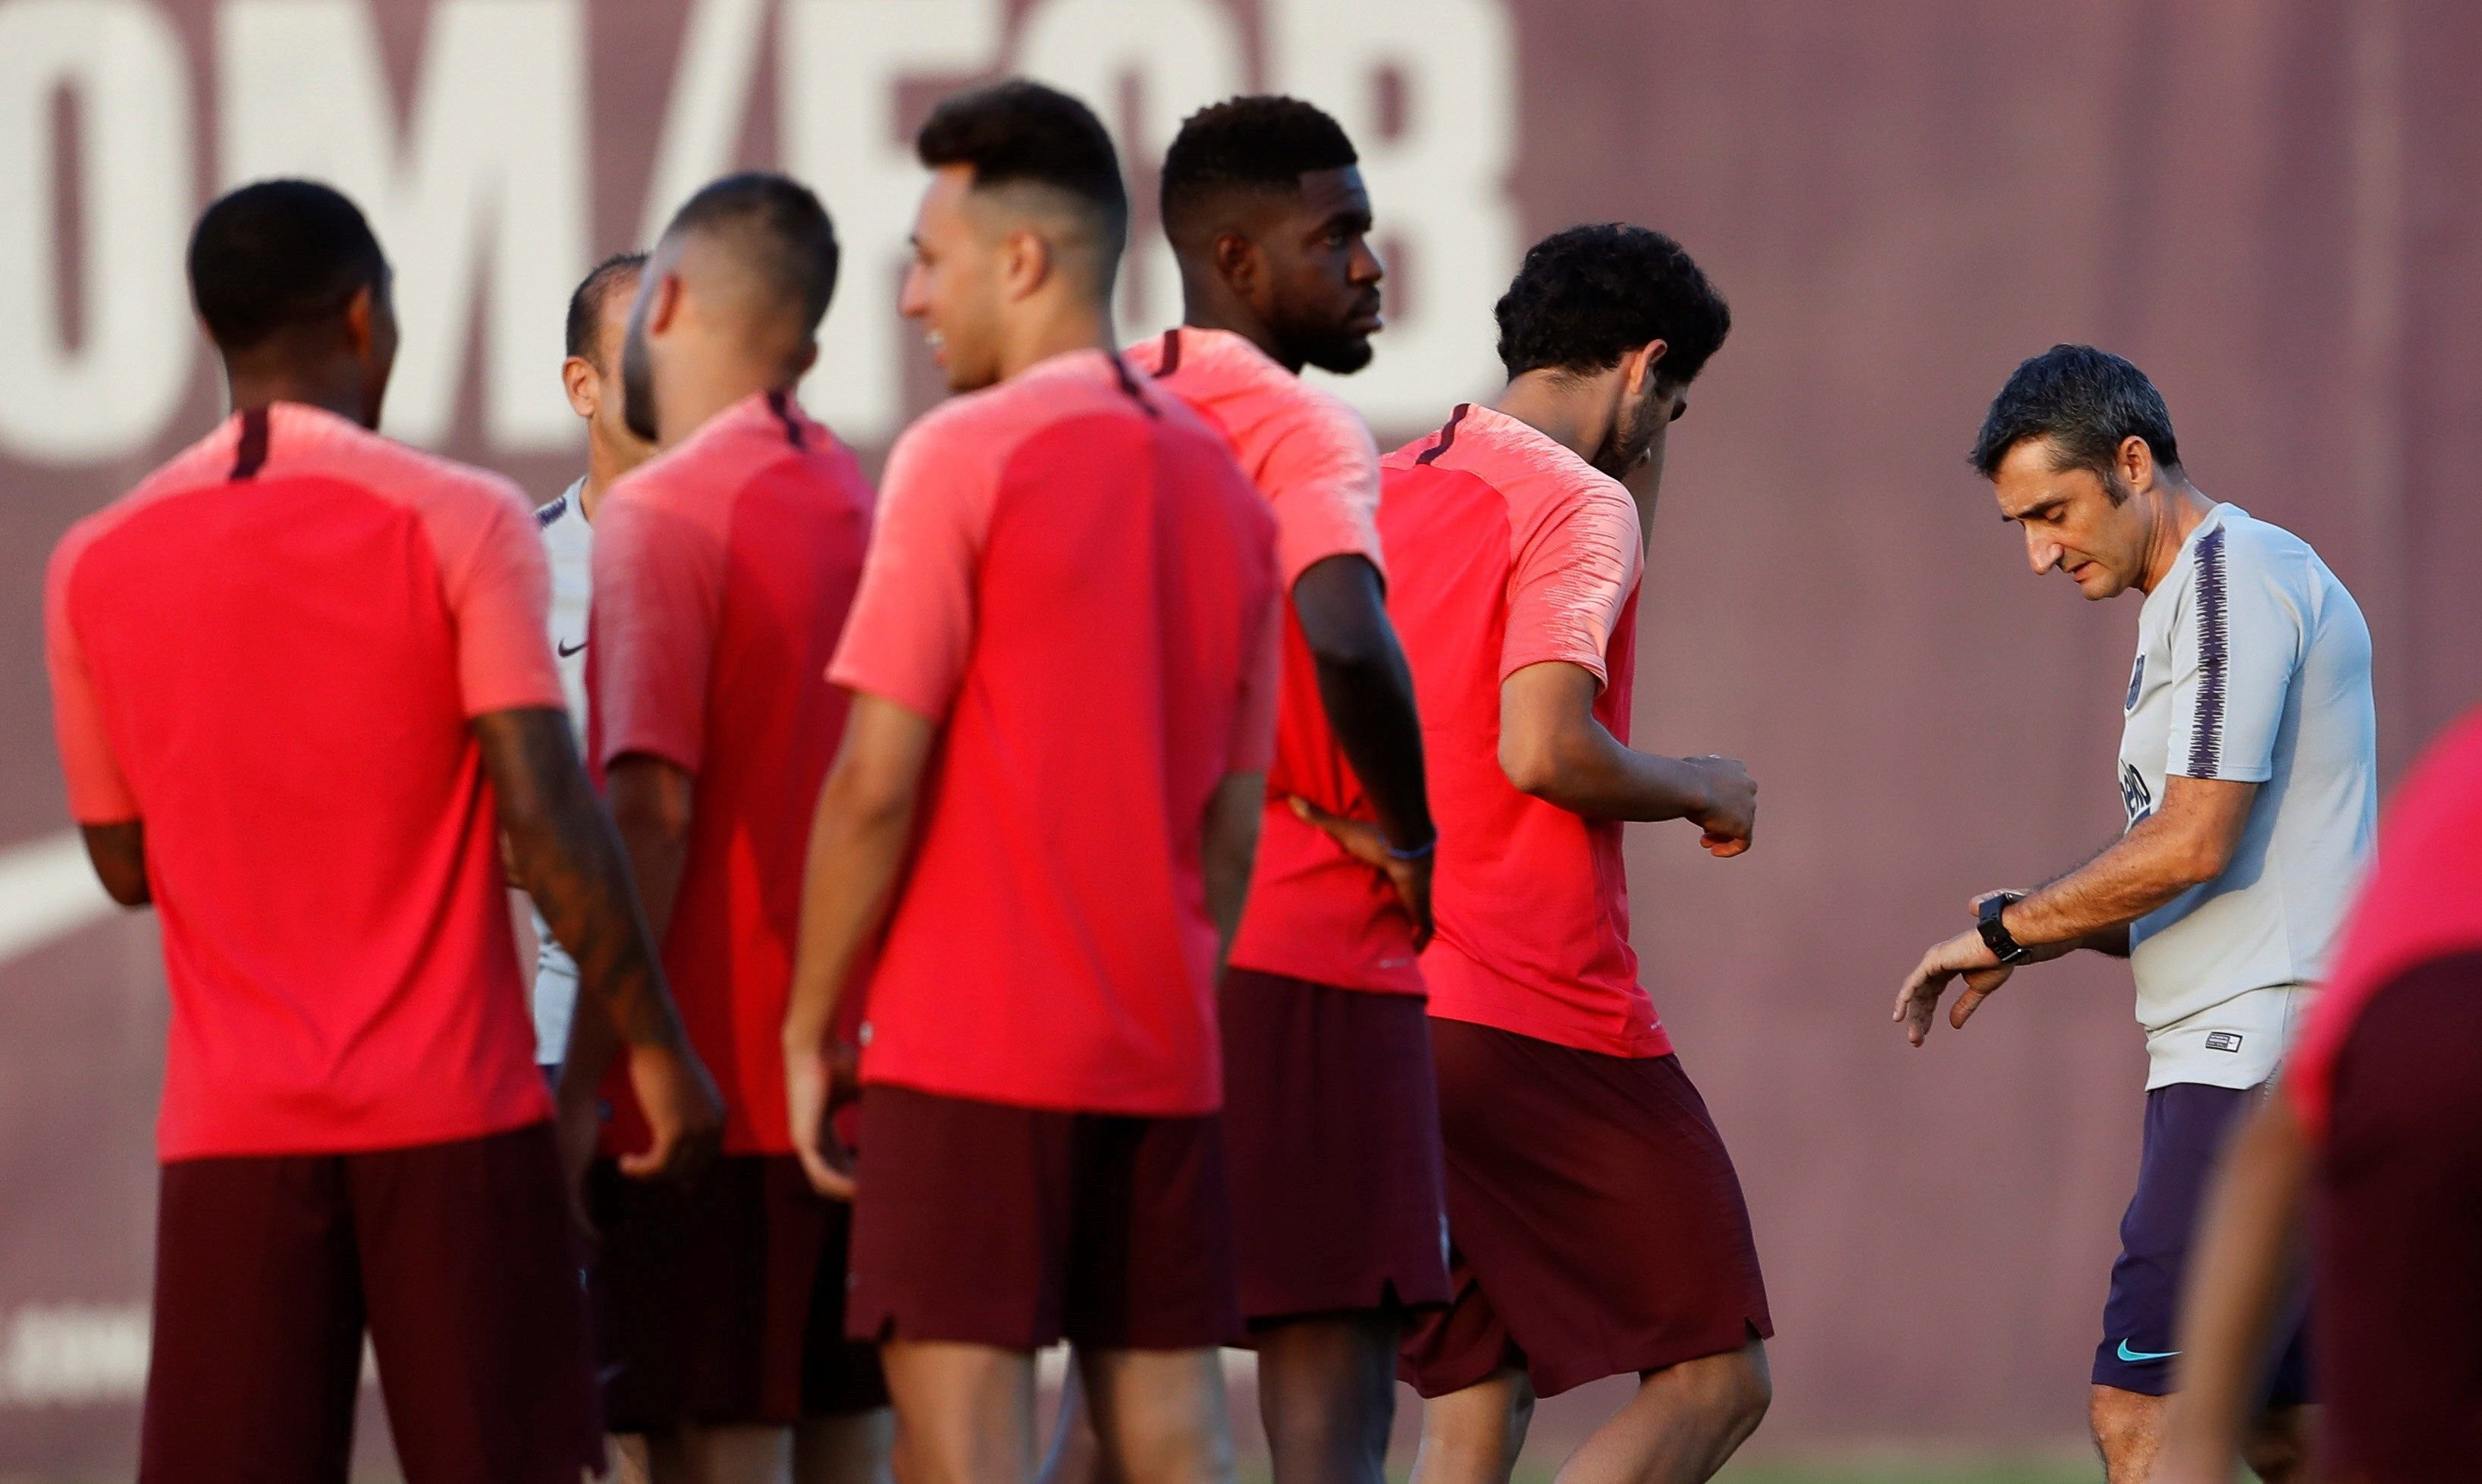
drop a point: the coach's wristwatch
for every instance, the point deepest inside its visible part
(1996, 936)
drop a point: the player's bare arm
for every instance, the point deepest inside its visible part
(118, 852)
(1231, 845)
(1368, 692)
(1552, 748)
(569, 860)
(2244, 1259)
(2186, 842)
(651, 801)
(858, 838)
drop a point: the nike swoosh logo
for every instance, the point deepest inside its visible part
(568, 649)
(2141, 1357)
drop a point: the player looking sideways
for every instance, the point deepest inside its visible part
(2248, 765)
(298, 637)
(1597, 1224)
(723, 570)
(598, 320)
(2376, 1131)
(1063, 661)
(1330, 1121)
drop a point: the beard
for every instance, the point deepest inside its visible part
(638, 386)
(1624, 448)
(1333, 350)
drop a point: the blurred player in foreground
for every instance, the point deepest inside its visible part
(598, 320)
(1330, 1121)
(2248, 763)
(1063, 662)
(2377, 1131)
(1597, 1223)
(723, 571)
(296, 675)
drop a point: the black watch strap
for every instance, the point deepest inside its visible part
(1996, 936)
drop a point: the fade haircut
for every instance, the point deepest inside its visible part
(1022, 133)
(2087, 402)
(277, 254)
(1262, 144)
(782, 231)
(1588, 296)
(593, 293)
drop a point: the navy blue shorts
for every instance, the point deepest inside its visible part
(2186, 1127)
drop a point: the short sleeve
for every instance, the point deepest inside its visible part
(1254, 720)
(98, 794)
(1321, 477)
(911, 627)
(500, 592)
(651, 630)
(1575, 567)
(2234, 652)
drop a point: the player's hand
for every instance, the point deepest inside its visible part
(1731, 814)
(683, 1111)
(809, 1097)
(1965, 955)
(1368, 844)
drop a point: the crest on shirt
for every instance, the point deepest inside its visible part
(2136, 678)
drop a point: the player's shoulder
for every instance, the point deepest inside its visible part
(207, 463)
(347, 451)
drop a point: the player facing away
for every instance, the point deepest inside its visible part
(2377, 1134)
(1597, 1223)
(1063, 661)
(2248, 765)
(301, 642)
(598, 322)
(723, 568)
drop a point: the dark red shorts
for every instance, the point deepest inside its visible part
(1332, 1138)
(458, 1257)
(1598, 1226)
(719, 1300)
(991, 1225)
(2397, 1213)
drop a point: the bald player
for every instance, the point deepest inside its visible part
(722, 570)
(1063, 669)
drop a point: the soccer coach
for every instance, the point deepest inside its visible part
(2248, 765)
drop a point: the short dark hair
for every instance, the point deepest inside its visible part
(594, 291)
(277, 254)
(2087, 402)
(1022, 133)
(793, 243)
(1588, 296)
(1260, 142)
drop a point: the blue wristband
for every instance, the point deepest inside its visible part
(1419, 852)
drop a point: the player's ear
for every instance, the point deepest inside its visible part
(577, 377)
(1026, 263)
(1237, 263)
(663, 303)
(808, 358)
(1642, 364)
(361, 313)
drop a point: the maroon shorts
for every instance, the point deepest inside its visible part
(1332, 1138)
(719, 1300)
(2396, 1295)
(991, 1225)
(458, 1257)
(1596, 1223)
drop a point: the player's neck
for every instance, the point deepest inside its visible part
(1573, 415)
(1058, 326)
(338, 390)
(694, 399)
(2177, 511)
(1206, 305)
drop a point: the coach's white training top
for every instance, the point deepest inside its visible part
(569, 541)
(2253, 665)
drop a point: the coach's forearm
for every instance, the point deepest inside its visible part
(2188, 841)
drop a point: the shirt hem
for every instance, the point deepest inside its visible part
(1117, 1108)
(1655, 1043)
(167, 1152)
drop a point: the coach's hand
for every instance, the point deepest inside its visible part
(1368, 844)
(683, 1111)
(809, 1095)
(1731, 814)
(1965, 955)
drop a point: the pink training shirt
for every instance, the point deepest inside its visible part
(1510, 550)
(1315, 912)
(2423, 902)
(723, 570)
(1073, 580)
(268, 653)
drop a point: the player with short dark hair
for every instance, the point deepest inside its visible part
(295, 673)
(724, 567)
(2248, 767)
(1063, 668)
(1597, 1223)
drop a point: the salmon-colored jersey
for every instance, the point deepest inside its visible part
(269, 653)
(1510, 550)
(1073, 580)
(1315, 912)
(723, 570)
(2423, 902)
